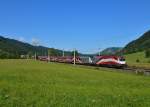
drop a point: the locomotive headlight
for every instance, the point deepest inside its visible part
(122, 62)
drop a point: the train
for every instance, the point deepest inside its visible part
(103, 60)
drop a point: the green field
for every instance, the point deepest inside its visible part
(27, 83)
(143, 62)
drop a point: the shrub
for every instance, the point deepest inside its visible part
(137, 60)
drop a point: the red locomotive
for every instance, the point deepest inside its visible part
(110, 61)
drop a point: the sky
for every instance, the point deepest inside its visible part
(86, 25)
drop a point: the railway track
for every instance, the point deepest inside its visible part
(136, 70)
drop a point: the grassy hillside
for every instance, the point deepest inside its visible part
(143, 62)
(26, 83)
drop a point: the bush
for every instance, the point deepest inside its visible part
(137, 60)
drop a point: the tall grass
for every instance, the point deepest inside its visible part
(27, 83)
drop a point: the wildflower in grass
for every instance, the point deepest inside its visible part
(93, 101)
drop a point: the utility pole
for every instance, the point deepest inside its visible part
(49, 56)
(99, 51)
(63, 53)
(35, 56)
(74, 61)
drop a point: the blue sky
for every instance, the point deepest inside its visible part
(86, 25)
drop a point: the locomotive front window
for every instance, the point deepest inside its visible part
(122, 59)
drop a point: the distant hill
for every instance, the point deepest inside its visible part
(141, 44)
(111, 51)
(10, 48)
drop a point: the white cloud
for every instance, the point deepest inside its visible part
(35, 42)
(22, 39)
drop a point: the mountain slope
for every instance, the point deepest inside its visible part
(10, 48)
(141, 44)
(111, 51)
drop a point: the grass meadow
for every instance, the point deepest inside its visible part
(28, 83)
(143, 62)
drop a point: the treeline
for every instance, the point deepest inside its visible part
(7, 55)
